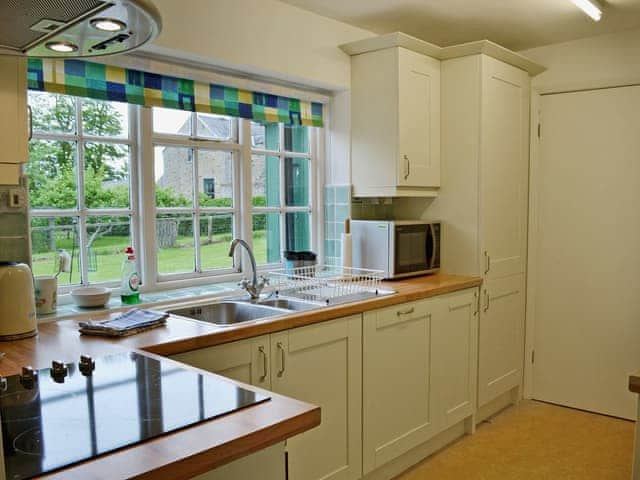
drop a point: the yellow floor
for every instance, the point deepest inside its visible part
(536, 441)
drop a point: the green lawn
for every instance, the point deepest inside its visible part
(109, 258)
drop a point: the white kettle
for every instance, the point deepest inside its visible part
(17, 303)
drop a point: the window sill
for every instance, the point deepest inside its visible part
(147, 300)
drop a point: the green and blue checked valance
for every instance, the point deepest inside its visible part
(105, 82)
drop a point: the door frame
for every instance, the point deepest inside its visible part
(532, 242)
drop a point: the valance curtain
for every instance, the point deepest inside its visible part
(104, 82)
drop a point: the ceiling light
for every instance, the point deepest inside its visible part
(62, 47)
(590, 7)
(108, 24)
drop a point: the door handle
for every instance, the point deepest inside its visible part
(407, 311)
(264, 363)
(407, 167)
(487, 301)
(476, 297)
(282, 366)
(487, 260)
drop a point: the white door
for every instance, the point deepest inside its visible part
(322, 364)
(504, 168)
(587, 287)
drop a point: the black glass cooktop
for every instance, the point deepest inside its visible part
(58, 416)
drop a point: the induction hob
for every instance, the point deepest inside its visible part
(54, 417)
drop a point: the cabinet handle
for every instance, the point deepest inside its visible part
(281, 348)
(264, 363)
(476, 310)
(407, 167)
(487, 303)
(487, 259)
(406, 311)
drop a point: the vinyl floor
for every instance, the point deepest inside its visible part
(536, 440)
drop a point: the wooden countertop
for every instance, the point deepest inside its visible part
(198, 449)
(634, 382)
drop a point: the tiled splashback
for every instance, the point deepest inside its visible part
(337, 208)
(15, 243)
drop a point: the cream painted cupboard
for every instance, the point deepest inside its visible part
(483, 203)
(395, 123)
(321, 364)
(419, 373)
(13, 121)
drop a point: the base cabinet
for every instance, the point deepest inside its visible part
(267, 464)
(320, 364)
(454, 354)
(397, 395)
(501, 337)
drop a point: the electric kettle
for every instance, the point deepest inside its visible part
(17, 304)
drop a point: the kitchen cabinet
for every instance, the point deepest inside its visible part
(501, 337)
(320, 364)
(13, 98)
(398, 411)
(395, 123)
(266, 464)
(454, 361)
(245, 361)
(483, 200)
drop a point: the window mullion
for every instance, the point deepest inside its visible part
(195, 224)
(283, 192)
(244, 206)
(146, 192)
(82, 214)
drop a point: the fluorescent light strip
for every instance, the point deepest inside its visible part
(590, 7)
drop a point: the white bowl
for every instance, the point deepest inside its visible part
(91, 296)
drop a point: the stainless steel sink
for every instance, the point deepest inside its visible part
(229, 313)
(289, 304)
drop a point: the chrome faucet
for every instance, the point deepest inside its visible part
(254, 288)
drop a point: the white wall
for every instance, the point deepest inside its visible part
(602, 61)
(263, 37)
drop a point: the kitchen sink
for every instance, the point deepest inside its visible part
(288, 304)
(229, 313)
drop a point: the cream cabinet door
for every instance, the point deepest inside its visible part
(13, 120)
(501, 337)
(397, 410)
(266, 464)
(322, 364)
(246, 361)
(504, 168)
(418, 120)
(454, 364)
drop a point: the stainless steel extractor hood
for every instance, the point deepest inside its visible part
(76, 28)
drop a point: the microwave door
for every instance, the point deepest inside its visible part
(414, 246)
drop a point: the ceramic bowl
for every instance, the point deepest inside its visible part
(91, 296)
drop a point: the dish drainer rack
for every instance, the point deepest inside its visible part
(329, 285)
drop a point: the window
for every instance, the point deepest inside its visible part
(81, 186)
(179, 196)
(281, 173)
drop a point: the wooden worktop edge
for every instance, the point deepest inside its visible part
(634, 382)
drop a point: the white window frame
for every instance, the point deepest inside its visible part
(142, 209)
(81, 211)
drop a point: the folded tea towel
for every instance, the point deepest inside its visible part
(133, 321)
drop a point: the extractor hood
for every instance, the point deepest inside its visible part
(76, 28)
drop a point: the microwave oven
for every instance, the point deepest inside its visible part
(398, 248)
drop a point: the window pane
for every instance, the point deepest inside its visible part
(105, 119)
(265, 136)
(216, 232)
(49, 235)
(52, 174)
(174, 237)
(107, 238)
(216, 127)
(171, 121)
(298, 231)
(296, 174)
(106, 175)
(52, 112)
(174, 176)
(266, 237)
(265, 180)
(215, 178)
(296, 138)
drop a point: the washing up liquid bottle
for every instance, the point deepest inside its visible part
(130, 280)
